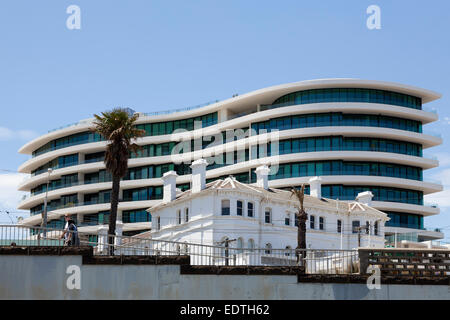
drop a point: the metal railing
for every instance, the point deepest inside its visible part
(87, 121)
(170, 111)
(315, 261)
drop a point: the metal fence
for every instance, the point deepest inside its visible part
(314, 261)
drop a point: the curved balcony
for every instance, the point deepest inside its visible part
(405, 207)
(425, 140)
(83, 208)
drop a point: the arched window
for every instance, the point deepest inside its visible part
(186, 248)
(268, 215)
(268, 248)
(186, 214)
(321, 223)
(226, 207)
(250, 209)
(287, 219)
(311, 222)
(251, 244)
(240, 245)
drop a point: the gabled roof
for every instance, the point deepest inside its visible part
(231, 184)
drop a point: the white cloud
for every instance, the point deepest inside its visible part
(9, 196)
(5, 133)
(441, 198)
(8, 134)
(27, 134)
(444, 159)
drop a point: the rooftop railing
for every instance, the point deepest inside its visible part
(158, 113)
(81, 122)
(155, 113)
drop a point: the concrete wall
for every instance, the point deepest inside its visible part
(44, 277)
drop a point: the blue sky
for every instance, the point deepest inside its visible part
(159, 55)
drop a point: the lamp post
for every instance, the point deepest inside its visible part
(44, 216)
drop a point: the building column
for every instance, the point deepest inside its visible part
(119, 216)
(79, 218)
(118, 238)
(102, 239)
(80, 197)
(222, 115)
(81, 158)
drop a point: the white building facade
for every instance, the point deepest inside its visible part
(252, 216)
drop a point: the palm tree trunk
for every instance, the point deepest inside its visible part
(113, 214)
(301, 235)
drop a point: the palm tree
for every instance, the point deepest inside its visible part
(119, 129)
(301, 217)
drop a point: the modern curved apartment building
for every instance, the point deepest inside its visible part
(357, 135)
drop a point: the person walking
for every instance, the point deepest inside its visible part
(70, 233)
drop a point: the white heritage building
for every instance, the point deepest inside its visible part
(256, 216)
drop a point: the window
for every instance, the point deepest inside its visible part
(268, 249)
(367, 227)
(321, 223)
(251, 244)
(240, 245)
(239, 208)
(140, 215)
(287, 219)
(225, 207)
(355, 226)
(339, 226)
(375, 228)
(186, 214)
(311, 222)
(179, 216)
(158, 223)
(268, 215)
(250, 209)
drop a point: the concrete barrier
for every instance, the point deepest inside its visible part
(28, 274)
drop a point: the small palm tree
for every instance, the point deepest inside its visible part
(301, 217)
(119, 129)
